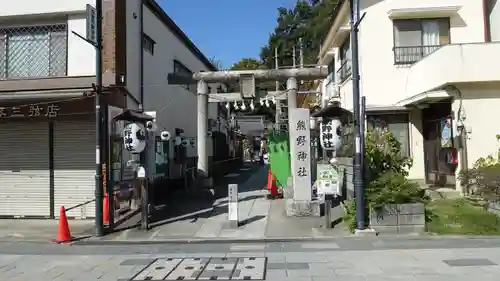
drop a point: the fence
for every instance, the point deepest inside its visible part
(346, 171)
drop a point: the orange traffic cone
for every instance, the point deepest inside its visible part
(269, 179)
(63, 233)
(274, 186)
(105, 209)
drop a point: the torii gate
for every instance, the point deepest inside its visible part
(247, 80)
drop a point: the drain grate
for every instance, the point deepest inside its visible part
(201, 268)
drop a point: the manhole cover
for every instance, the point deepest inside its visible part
(204, 269)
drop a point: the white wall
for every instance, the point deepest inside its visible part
(175, 106)
(495, 20)
(81, 55)
(385, 84)
(382, 82)
(26, 7)
(134, 47)
(480, 103)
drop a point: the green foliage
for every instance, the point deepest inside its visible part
(388, 170)
(350, 215)
(393, 188)
(484, 177)
(247, 64)
(383, 154)
(482, 180)
(461, 216)
(309, 20)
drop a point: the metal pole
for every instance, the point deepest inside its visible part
(111, 194)
(358, 176)
(105, 158)
(98, 126)
(144, 203)
(362, 138)
(328, 211)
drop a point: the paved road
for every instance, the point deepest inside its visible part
(343, 259)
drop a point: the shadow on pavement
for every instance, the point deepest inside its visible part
(200, 203)
(251, 219)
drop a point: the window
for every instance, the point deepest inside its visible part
(148, 44)
(33, 51)
(415, 39)
(345, 60)
(397, 124)
(181, 69)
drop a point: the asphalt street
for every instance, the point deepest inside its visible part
(412, 258)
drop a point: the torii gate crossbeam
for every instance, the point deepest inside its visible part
(203, 78)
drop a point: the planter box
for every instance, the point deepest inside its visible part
(399, 219)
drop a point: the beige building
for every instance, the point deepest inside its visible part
(428, 69)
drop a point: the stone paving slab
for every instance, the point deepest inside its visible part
(203, 268)
(260, 219)
(269, 248)
(417, 265)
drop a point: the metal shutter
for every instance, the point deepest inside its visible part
(74, 167)
(24, 169)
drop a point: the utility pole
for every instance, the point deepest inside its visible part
(99, 187)
(359, 150)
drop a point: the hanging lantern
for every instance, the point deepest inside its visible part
(134, 137)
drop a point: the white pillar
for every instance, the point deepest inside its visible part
(202, 130)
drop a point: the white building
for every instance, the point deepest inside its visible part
(47, 125)
(423, 65)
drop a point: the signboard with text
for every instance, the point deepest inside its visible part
(47, 109)
(36, 110)
(328, 179)
(300, 153)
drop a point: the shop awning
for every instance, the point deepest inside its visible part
(133, 116)
(427, 97)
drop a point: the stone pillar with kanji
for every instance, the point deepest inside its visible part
(302, 203)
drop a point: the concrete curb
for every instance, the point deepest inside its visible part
(102, 242)
(94, 241)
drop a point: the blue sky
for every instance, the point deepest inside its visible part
(226, 29)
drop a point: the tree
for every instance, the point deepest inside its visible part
(309, 20)
(247, 64)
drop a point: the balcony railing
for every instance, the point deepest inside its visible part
(332, 90)
(344, 71)
(33, 51)
(412, 54)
